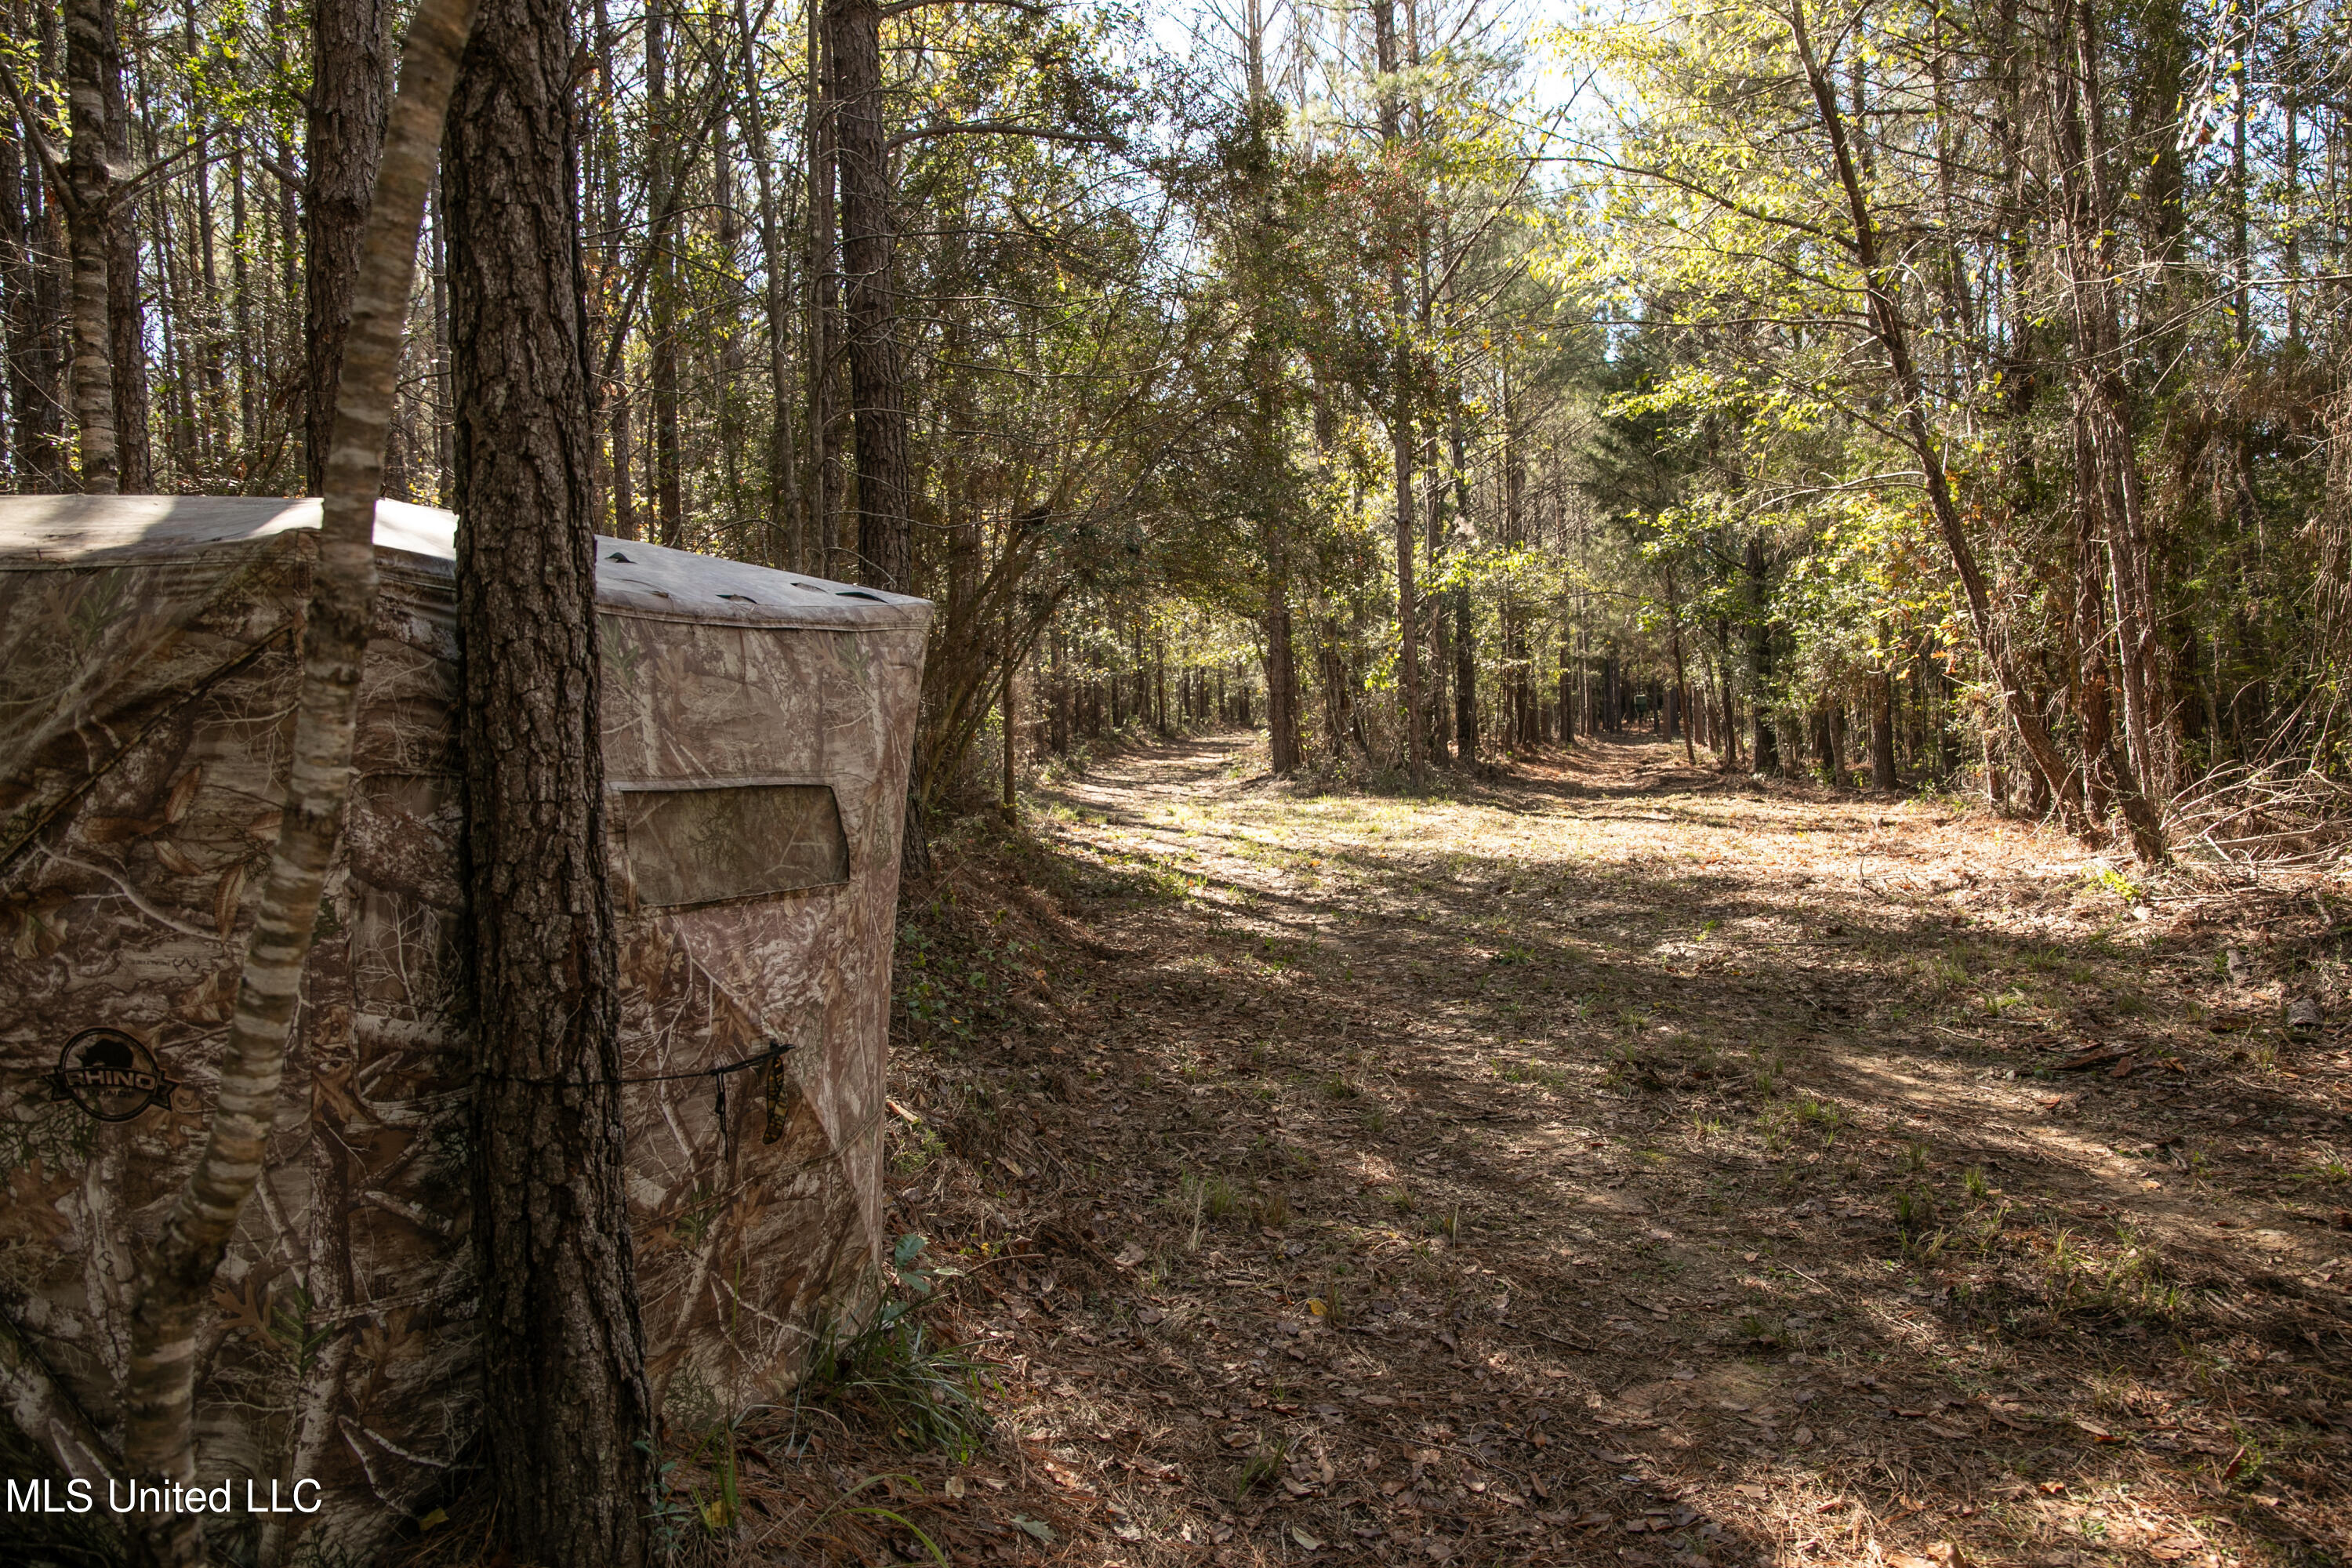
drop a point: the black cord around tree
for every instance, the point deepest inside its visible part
(757, 1059)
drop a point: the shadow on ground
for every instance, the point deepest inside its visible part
(1613, 1161)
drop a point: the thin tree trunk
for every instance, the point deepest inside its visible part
(92, 51)
(877, 396)
(1007, 801)
(125, 316)
(567, 1409)
(16, 278)
(174, 1291)
(2093, 704)
(784, 509)
(668, 488)
(826, 482)
(1883, 775)
(1465, 626)
(36, 364)
(1281, 682)
(1682, 676)
(344, 123)
(1281, 659)
(1401, 420)
(612, 397)
(240, 295)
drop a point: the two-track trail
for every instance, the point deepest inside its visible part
(1616, 1160)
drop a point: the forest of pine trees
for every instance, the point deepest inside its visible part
(1913, 396)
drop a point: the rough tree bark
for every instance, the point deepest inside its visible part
(1883, 775)
(876, 391)
(1763, 736)
(92, 51)
(1401, 418)
(783, 492)
(126, 317)
(825, 487)
(1281, 657)
(668, 488)
(1682, 672)
(35, 303)
(173, 1291)
(565, 1398)
(343, 127)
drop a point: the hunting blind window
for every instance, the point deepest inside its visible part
(706, 844)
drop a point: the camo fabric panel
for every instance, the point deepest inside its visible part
(762, 1223)
(145, 714)
(339, 1349)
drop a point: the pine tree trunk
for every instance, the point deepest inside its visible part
(1682, 672)
(613, 388)
(782, 512)
(92, 51)
(2093, 694)
(565, 1400)
(825, 480)
(1883, 775)
(1281, 655)
(125, 316)
(172, 1294)
(35, 303)
(877, 394)
(668, 487)
(15, 277)
(344, 127)
(1401, 418)
(1763, 741)
(1281, 686)
(1465, 680)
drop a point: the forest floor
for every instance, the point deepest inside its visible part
(1604, 1160)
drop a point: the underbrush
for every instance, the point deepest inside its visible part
(900, 1381)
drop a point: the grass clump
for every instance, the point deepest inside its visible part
(1261, 1467)
(895, 1379)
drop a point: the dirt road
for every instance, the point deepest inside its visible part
(1619, 1162)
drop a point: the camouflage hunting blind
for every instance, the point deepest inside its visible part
(757, 728)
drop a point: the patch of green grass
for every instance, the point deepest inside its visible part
(2330, 1169)
(1822, 1117)
(1914, 1212)
(1998, 1003)
(1211, 1196)
(897, 1380)
(1535, 1073)
(1261, 1467)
